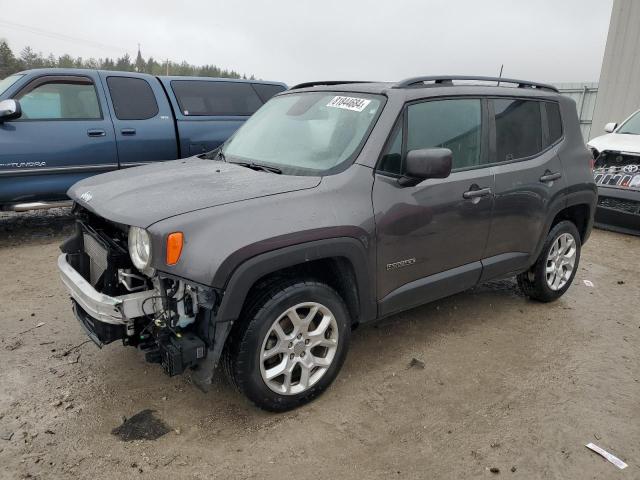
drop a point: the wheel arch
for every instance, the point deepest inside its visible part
(579, 209)
(340, 262)
(578, 215)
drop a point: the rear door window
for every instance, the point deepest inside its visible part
(266, 91)
(60, 99)
(518, 126)
(133, 98)
(201, 97)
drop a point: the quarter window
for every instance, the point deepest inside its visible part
(61, 100)
(132, 98)
(518, 129)
(554, 121)
(453, 124)
(201, 97)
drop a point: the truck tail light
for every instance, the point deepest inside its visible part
(174, 247)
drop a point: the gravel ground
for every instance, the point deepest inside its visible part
(507, 384)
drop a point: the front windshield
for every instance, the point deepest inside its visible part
(5, 83)
(305, 133)
(631, 126)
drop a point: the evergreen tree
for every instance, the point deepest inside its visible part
(141, 66)
(124, 63)
(65, 61)
(7, 60)
(30, 59)
(108, 64)
(150, 66)
(92, 63)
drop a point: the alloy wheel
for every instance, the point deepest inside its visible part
(561, 261)
(299, 348)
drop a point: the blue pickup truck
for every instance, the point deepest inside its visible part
(58, 126)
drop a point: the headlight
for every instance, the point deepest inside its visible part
(139, 247)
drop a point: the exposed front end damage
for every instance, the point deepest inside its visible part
(170, 319)
(617, 175)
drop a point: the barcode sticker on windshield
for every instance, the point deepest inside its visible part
(349, 103)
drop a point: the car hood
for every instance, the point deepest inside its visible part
(617, 142)
(142, 196)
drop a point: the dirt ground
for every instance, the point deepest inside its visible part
(508, 384)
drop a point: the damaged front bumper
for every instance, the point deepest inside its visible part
(119, 310)
(617, 175)
(170, 319)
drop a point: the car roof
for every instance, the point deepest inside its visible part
(220, 79)
(86, 71)
(442, 86)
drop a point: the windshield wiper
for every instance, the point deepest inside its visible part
(257, 166)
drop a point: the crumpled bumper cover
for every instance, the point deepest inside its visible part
(119, 310)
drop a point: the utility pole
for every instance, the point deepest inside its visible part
(167, 67)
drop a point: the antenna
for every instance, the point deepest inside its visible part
(500, 76)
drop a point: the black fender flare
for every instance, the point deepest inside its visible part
(558, 204)
(250, 271)
(572, 198)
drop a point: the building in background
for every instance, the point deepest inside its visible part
(619, 86)
(584, 94)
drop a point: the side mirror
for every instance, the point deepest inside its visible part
(9, 109)
(610, 127)
(426, 163)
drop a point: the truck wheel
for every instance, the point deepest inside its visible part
(556, 266)
(289, 344)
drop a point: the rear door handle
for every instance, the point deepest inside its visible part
(128, 131)
(550, 177)
(96, 132)
(481, 192)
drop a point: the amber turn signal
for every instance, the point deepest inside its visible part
(174, 247)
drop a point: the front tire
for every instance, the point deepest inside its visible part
(556, 267)
(289, 344)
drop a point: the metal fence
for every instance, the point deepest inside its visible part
(584, 94)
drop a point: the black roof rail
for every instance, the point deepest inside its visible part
(327, 82)
(448, 80)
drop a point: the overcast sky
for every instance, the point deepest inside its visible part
(300, 40)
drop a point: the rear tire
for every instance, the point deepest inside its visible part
(289, 344)
(556, 267)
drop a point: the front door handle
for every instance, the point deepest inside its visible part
(477, 193)
(128, 131)
(96, 132)
(550, 177)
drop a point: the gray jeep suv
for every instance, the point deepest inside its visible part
(336, 204)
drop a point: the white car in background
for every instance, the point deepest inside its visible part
(617, 174)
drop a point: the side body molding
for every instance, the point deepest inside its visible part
(257, 267)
